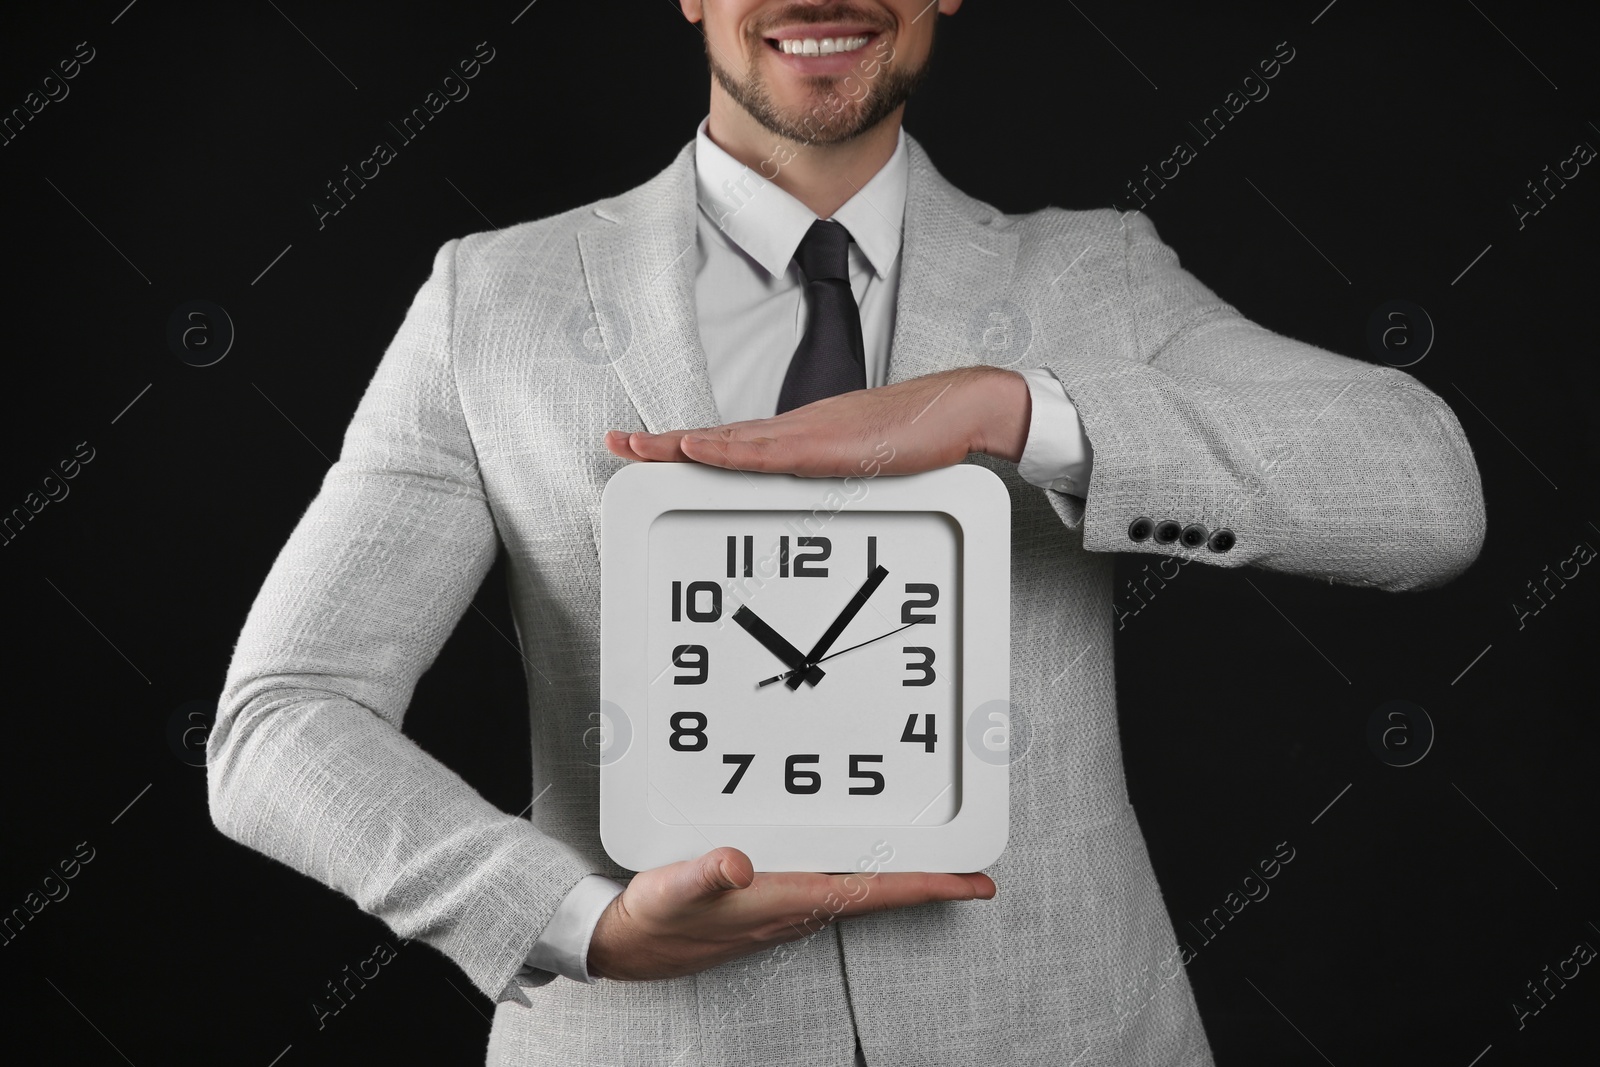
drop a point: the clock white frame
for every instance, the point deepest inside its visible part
(975, 499)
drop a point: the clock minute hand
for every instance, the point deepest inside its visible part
(825, 642)
(757, 628)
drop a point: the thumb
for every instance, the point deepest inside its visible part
(720, 870)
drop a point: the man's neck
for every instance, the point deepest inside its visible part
(822, 177)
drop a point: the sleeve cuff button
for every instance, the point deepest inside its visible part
(1194, 535)
(1167, 532)
(1221, 541)
(1140, 528)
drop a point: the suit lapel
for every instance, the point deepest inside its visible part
(638, 264)
(956, 268)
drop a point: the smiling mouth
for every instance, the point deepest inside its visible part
(819, 46)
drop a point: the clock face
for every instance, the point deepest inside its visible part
(806, 669)
(869, 736)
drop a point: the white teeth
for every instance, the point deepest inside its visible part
(821, 46)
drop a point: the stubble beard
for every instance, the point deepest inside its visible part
(832, 117)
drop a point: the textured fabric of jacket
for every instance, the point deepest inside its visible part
(481, 433)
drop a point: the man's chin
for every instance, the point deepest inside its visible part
(815, 121)
(815, 111)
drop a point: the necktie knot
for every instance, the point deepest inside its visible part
(824, 252)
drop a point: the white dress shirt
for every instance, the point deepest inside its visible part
(750, 302)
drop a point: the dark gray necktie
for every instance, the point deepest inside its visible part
(831, 357)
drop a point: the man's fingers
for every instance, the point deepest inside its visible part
(783, 443)
(638, 445)
(724, 450)
(793, 451)
(982, 884)
(903, 889)
(735, 866)
(617, 444)
(718, 871)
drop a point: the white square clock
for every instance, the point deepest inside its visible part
(804, 667)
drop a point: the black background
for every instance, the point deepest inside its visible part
(186, 158)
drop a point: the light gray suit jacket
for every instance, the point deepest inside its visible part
(481, 433)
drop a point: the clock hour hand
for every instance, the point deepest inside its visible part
(757, 628)
(842, 651)
(857, 602)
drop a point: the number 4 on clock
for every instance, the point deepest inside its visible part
(927, 736)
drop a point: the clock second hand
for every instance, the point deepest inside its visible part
(842, 651)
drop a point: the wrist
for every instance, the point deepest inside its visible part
(1001, 413)
(596, 958)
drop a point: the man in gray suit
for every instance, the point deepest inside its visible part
(798, 286)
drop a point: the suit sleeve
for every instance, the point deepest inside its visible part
(1262, 450)
(563, 947)
(307, 762)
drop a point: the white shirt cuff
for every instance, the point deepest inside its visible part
(563, 947)
(1058, 454)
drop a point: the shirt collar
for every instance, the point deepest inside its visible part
(767, 223)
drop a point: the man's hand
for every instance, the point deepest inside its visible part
(929, 422)
(688, 916)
